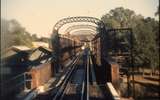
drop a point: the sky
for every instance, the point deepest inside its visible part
(40, 16)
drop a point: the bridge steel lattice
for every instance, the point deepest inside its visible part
(100, 29)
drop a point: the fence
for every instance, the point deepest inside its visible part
(15, 84)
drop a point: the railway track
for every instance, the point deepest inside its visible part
(79, 82)
(73, 87)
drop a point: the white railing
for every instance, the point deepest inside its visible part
(113, 91)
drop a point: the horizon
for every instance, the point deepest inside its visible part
(39, 18)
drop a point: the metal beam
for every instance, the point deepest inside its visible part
(81, 26)
(64, 21)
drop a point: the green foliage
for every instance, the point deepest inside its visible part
(145, 32)
(34, 37)
(13, 33)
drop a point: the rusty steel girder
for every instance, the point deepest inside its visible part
(56, 41)
(64, 21)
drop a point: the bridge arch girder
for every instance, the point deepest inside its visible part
(56, 39)
(64, 21)
(84, 34)
(88, 32)
(81, 26)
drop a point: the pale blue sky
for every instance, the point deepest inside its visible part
(39, 16)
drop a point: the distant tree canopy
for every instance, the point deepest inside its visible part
(34, 37)
(145, 31)
(12, 33)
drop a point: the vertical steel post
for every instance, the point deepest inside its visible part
(132, 61)
(88, 75)
(56, 51)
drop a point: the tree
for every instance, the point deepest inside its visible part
(4, 34)
(13, 33)
(119, 17)
(146, 46)
(34, 37)
(146, 31)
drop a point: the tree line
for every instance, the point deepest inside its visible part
(12, 33)
(145, 34)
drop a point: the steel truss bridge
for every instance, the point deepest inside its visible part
(84, 63)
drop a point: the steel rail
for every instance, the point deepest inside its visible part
(83, 90)
(60, 91)
(68, 87)
(66, 90)
(83, 83)
(94, 82)
(87, 77)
